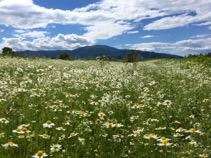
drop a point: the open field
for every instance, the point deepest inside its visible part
(72, 109)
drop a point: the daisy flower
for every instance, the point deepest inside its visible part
(4, 121)
(101, 115)
(109, 125)
(81, 140)
(55, 148)
(48, 124)
(9, 144)
(193, 130)
(72, 135)
(40, 154)
(150, 136)
(163, 141)
(44, 136)
(22, 129)
(60, 128)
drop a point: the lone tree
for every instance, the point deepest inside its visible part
(132, 56)
(103, 60)
(6, 51)
(64, 56)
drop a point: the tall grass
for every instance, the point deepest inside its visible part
(62, 109)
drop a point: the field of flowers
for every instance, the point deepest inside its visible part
(75, 109)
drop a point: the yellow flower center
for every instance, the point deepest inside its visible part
(151, 135)
(40, 153)
(10, 143)
(110, 125)
(24, 129)
(164, 140)
(192, 130)
(97, 121)
(101, 114)
(19, 129)
(72, 135)
(48, 122)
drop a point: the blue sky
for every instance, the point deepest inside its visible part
(168, 26)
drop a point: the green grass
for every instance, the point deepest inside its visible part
(205, 60)
(159, 108)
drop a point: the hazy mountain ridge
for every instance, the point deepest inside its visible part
(91, 52)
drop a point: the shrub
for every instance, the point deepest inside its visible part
(132, 56)
(64, 56)
(103, 60)
(6, 51)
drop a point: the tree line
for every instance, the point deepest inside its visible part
(131, 57)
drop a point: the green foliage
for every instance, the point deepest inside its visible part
(64, 56)
(200, 59)
(132, 56)
(6, 51)
(103, 60)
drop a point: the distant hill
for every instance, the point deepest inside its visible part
(91, 52)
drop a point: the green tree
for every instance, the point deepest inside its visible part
(103, 60)
(6, 51)
(64, 56)
(132, 56)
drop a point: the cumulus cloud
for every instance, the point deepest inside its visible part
(59, 42)
(106, 30)
(101, 20)
(183, 47)
(170, 22)
(25, 14)
(30, 34)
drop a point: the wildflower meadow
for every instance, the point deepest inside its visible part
(86, 109)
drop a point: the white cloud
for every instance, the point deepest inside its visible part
(30, 34)
(25, 14)
(170, 22)
(133, 32)
(63, 42)
(204, 23)
(105, 19)
(2, 30)
(20, 31)
(183, 47)
(147, 36)
(106, 30)
(201, 36)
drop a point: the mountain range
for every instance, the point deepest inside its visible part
(91, 52)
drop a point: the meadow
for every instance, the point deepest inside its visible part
(74, 109)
